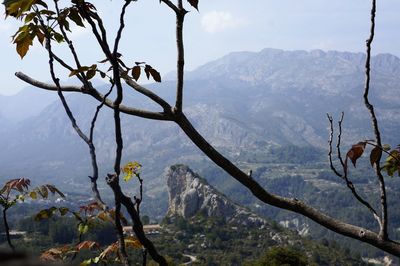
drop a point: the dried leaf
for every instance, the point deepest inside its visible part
(155, 74)
(136, 72)
(356, 152)
(375, 155)
(87, 245)
(132, 242)
(63, 210)
(194, 3)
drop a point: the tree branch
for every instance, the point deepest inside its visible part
(339, 139)
(294, 205)
(349, 184)
(98, 96)
(180, 17)
(148, 93)
(383, 233)
(120, 232)
(137, 226)
(333, 168)
(7, 229)
(171, 5)
(121, 26)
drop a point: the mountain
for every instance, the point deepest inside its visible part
(247, 104)
(211, 229)
(189, 194)
(26, 103)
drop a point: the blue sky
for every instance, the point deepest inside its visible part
(221, 26)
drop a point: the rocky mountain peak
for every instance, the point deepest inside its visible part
(189, 194)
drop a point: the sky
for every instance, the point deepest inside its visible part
(220, 27)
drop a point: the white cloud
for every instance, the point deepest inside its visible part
(217, 21)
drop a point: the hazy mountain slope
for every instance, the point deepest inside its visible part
(243, 102)
(26, 103)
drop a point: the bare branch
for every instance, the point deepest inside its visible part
(383, 233)
(98, 96)
(344, 176)
(339, 139)
(333, 168)
(7, 229)
(180, 17)
(121, 26)
(171, 5)
(147, 92)
(120, 232)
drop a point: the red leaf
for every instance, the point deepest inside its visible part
(375, 155)
(155, 74)
(147, 70)
(87, 245)
(356, 151)
(136, 72)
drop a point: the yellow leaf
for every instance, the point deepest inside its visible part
(33, 195)
(132, 242)
(130, 169)
(23, 41)
(128, 177)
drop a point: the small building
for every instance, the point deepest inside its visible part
(149, 229)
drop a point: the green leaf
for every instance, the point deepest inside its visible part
(43, 191)
(386, 147)
(90, 74)
(16, 8)
(20, 197)
(86, 262)
(392, 163)
(58, 37)
(83, 228)
(75, 17)
(45, 214)
(29, 17)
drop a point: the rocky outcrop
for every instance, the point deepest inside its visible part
(189, 194)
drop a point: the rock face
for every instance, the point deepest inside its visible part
(189, 194)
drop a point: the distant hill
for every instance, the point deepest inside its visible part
(246, 104)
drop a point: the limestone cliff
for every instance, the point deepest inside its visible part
(189, 194)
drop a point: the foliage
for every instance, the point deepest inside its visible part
(278, 256)
(51, 25)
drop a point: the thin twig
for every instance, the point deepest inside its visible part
(71, 47)
(339, 139)
(333, 168)
(171, 5)
(344, 176)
